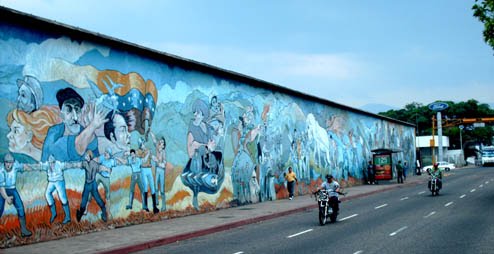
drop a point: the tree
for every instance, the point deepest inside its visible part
(484, 11)
(421, 116)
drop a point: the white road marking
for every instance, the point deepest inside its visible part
(473, 190)
(349, 217)
(405, 198)
(240, 252)
(486, 182)
(430, 214)
(299, 233)
(422, 192)
(381, 206)
(448, 204)
(480, 186)
(398, 231)
(359, 252)
(462, 196)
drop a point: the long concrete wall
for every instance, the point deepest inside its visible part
(207, 138)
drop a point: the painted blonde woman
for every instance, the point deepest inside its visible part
(28, 131)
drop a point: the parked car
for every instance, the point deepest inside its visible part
(444, 165)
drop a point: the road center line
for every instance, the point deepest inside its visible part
(240, 252)
(381, 206)
(486, 182)
(405, 198)
(422, 192)
(349, 217)
(462, 196)
(398, 231)
(359, 252)
(473, 190)
(480, 186)
(430, 214)
(299, 233)
(448, 204)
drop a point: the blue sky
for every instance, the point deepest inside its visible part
(350, 52)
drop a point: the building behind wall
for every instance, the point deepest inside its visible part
(229, 137)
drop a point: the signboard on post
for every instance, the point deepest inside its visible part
(438, 106)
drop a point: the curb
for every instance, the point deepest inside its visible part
(202, 232)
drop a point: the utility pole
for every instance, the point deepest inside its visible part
(461, 144)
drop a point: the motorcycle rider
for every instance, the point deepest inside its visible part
(438, 173)
(333, 188)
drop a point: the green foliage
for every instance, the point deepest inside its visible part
(421, 116)
(484, 11)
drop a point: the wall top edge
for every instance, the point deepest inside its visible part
(15, 16)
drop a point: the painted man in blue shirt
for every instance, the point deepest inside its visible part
(69, 140)
(8, 190)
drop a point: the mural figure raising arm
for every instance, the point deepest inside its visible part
(68, 140)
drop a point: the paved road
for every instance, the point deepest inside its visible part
(403, 220)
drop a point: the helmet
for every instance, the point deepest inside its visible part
(328, 176)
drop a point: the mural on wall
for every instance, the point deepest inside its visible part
(94, 136)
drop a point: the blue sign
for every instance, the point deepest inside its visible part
(438, 106)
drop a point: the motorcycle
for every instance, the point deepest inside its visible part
(327, 206)
(434, 185)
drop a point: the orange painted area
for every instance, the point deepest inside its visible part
(179, 196)
(224, 196)
(130, 81)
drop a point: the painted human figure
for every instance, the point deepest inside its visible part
(92, 168)
(69, 140)
(30, 94)
(243, 164)
(147, 175)
(136, 178)
(103, 177)
(8, 190)
(28, 131)
(160, 161)
(56, 182)
(198, 145)
(116, 130)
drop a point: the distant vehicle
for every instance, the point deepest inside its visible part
(487, 155)
(444, 165)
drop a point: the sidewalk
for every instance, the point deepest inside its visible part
(143, 236)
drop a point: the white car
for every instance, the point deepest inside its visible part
(444, 165)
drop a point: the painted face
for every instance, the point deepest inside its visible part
(71, 113)
(121, 136)
(198, 117)
(87, 157)
(8, 165)
(18, 136)
(25, 99)
(161, 144)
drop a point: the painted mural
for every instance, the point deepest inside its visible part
(93, 136)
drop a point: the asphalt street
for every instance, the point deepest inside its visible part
(403, 220)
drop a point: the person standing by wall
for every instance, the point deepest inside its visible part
(371, 173)
(291, 179)
(399, 170)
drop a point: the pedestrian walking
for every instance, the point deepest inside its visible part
(291, 179)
